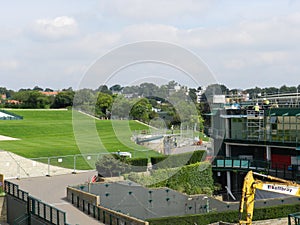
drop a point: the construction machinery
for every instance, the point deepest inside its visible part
(273, 184)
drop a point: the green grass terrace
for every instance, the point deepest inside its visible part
(50, 133)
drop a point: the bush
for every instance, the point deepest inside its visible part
(115, 165)
(109, 166)
(191, 179)
(137, 164)
(172, 161)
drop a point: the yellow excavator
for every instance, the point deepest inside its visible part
(273, 184)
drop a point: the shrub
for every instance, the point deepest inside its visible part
(137, 164)
(108, 166)
(115, 165)
(191, 179)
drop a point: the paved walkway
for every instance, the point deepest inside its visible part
(52, 190)
(15, 166)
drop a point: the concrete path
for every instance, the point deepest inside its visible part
(52, 190)
(15, 166)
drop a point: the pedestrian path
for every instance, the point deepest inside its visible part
(15, 166)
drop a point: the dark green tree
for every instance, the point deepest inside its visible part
(63, 99)
(103, 105)
(141, 110)
(108, 166)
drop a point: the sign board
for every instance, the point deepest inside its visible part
(282, 189)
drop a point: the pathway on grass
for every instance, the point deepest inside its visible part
(15, 166)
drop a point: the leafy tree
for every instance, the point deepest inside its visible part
(193, 94)
(141, 110)
(285, 89)
(116, 88)
(84, 100)
(37, 88)
(48, 90)
(109, 166)
(121, 107)
(162, 92)
(67, 89)
(63, 99)
(32, 99)
(104, 89)
(172, 84)
(103, 104)
(148, 90)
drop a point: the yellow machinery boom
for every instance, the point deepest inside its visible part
(273, 184)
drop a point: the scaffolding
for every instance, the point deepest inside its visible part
(255, 124)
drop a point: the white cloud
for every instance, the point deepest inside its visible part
(98, 42)
(57, 28)
(9, 64)
(154, 10)
(75, 69)
(150, 32)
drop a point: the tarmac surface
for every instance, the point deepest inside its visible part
(52, 190)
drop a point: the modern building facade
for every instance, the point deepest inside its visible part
(257, 136)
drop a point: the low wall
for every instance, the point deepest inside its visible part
(90, 204)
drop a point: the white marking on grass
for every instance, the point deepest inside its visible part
(6, 138)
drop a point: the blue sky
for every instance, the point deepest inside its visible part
(245, 43)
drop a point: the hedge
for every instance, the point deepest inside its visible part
(171, 161)
(265, 213)
(190, 179)
(137, 164)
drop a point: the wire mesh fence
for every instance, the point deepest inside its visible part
(13, 166)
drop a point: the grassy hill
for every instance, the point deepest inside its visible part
(46, 133)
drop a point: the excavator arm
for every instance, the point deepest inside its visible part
(274, 185)
(248, 195)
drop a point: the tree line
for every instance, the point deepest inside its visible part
(172, 102)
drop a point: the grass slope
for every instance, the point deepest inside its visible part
(50, 133)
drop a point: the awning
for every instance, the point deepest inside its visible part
(283, 112)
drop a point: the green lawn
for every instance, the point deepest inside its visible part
(46, 133)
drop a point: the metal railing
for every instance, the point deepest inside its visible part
(46, 212)
(35, 207)
(13, 189)
(17, 167)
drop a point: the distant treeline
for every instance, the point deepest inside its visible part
(172, 102)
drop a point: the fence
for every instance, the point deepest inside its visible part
(89, 204)
(30, 209)
(19, 167)
(46, 212)
(13, 189)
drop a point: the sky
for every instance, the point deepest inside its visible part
(243, 43)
